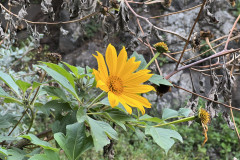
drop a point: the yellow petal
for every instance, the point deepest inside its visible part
(129, 67)
(113, 99)
(141, 108)
(128, 109)
(138, 89)
(96, 74)
(133, 102)
(138, 77)
(102, 68)
(102, 86)
(138, 100)
(122, 60)
(111, 59)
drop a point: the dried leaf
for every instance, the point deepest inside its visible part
(22, 13)
(227, 118)
(123, 18)
(210, 17)
(202, 84)
(63, 31)
(46, 7)
(34, 34)
(195, 43)
(2, 34)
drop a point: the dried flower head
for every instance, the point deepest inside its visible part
(54, 57)
(161, 47)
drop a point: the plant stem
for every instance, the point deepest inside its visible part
(18, 122)
(32, 119)
(150, 62)
(96, 99)
(178, 121)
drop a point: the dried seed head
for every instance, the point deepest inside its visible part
(54, 57)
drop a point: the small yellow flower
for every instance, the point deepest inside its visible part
(205, 119)
(120, 81)
(161, 47)
(204, 116)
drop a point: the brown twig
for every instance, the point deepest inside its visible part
(206, 98)
(222, 53)
(18, 122)
(150, 47)
(164, 15)
(230, 34)
(146, 19)
(210, 49)
(190, 34)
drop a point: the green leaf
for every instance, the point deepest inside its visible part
(54, 91)
(61, 71)
(169, 113)
(8, 98)
(62, 80)
(120, 123)
(73, 69)
(35, 140)
(58, 107)
(139, 57)
(158, 79)
(81, 114)
(3, 93)
(9, 81)
(3, 153)
(184, 112)
(7, 138)
(100, 132)
(12, 100)
(23, 85)
(163, 137)
(35, 85)
(62, 121)
(140, 134)
(7, 120)
(16, 154)
(48, 155)
(146, 117)
(119, 115)
(75, 142)
(106, 102)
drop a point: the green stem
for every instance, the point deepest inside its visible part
(178, 121)
(150, 62)
(32, 119)
(96, 99)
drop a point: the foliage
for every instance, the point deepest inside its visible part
(70, 104)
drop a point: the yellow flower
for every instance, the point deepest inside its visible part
(205, 119)
(161, 47)
(204, 116)
(120, 81)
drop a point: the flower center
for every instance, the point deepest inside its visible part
(115, 85)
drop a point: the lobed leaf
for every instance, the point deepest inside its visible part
(163, 137)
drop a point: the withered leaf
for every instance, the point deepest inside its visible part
(123, 17)
(22, 13)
